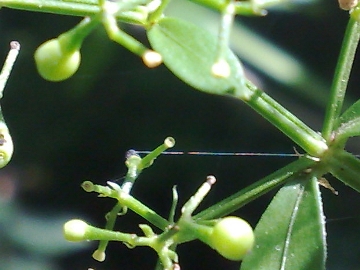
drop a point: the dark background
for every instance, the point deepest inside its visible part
(80, 129)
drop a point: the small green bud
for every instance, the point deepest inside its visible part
(54, 62)
(169, 142)
(88, 186)
(75, 230)
(99, 255)
(59, 58)
(232, 237)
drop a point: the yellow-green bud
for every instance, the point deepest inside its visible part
(99, 255)
(75, 230)
(54, 62)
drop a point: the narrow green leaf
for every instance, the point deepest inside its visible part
(346, 167)
(349, 123)
(291, 233)
(190, 51)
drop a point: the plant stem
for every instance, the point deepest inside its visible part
(144, 211)
(128, 201)
(110, 223)
(72, 40)
(250, 193)
(94, 233)
(150, 157)
(154, 16)
(73, 8)
(341, 77)
(288, 123)
(80, 8)
(8, 65)
(241, 7)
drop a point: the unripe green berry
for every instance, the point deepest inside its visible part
(75, 230)
(232, 237)
(54, 62)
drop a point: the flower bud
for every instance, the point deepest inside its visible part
(75, 230)
(54, 62)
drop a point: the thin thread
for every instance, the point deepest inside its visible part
(246, 154)
(205, 153)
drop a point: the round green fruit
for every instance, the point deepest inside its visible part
(54, 62)
(232, 237)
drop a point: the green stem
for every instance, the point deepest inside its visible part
(154, 16)
(51, 6)
(341, 77)
(8, 65)
(73, 8)
(110, 223)
(128, 201)
(144, 211)
(245, 8)
(94, 233)
(173, 205)
(227, 19)
(250, 193)
(148, 160)
(190, 230)
(134, 170)
(72, 40)
(124, 39)
(288, 123)
(194, 201)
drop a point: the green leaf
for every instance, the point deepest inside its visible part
(190, 51)
(346, 167)
(349, 123)
(291, 233)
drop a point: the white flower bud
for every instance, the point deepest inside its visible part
(75, 230)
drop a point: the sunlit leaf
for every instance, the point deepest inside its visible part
(190, 52)
(290, 235)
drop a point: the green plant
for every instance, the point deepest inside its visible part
(294, 239)
(6, 143)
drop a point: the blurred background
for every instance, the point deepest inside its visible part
(80, 129)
